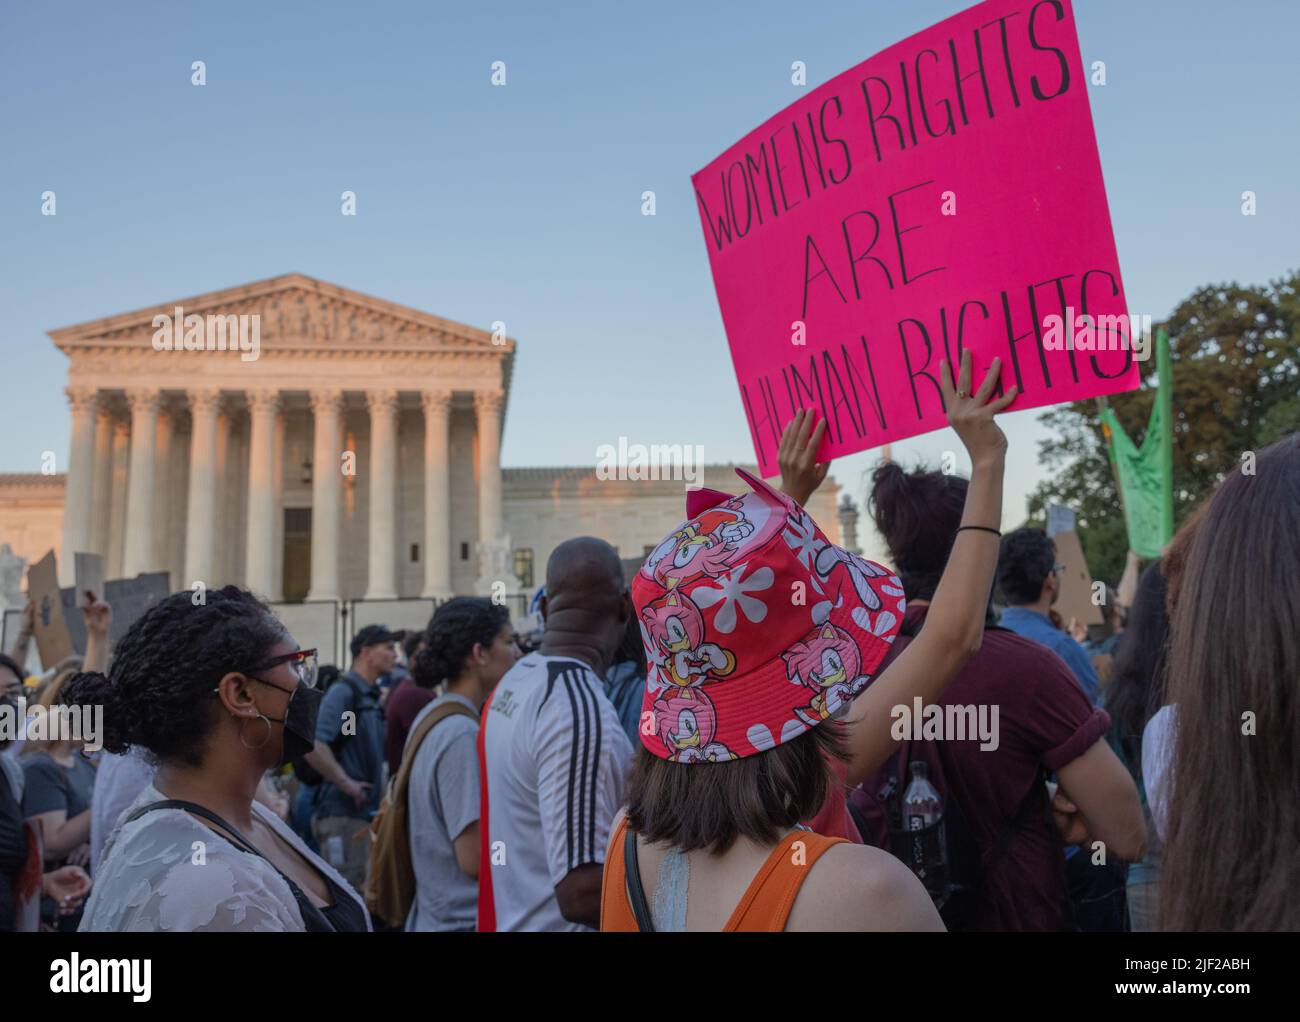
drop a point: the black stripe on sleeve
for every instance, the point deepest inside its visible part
(584, 821)
(573, 769)
(595, 774)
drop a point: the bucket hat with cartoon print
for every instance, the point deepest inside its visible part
(756, 627)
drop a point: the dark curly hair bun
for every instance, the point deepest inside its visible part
(917, 513)
(90, 688)
(453, 631)
(167, 664)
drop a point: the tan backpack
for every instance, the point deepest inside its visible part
(390, 888)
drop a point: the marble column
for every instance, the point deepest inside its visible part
(326, 494)
(437, 494)
(200, 524)
(223, 494)
(259, 553)
(487, 409)
(137, 555)
(79, 492)
(178, 473)
(276, 592)
(102, 500)
(120, 481)
(237, 463)
(163, 511)
(383, 495)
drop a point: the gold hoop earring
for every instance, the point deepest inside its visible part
(254, 748)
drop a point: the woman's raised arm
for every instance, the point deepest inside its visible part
(954, 625)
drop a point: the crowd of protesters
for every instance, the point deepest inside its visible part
(712, 745)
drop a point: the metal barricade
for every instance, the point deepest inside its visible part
(329, 625)
(403, 613)
(315, 624)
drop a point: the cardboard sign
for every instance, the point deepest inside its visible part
(89, 576)
(51, 631)
(945, 194)
(129, 598)
(1075, 600)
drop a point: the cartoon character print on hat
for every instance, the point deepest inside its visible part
(686, 722)
(823, 559)
(672, 629)
(828, 661)
(713, 542)
(756, 627)
(871, 615)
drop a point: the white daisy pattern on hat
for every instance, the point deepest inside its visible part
(758, 641)
(734, 592)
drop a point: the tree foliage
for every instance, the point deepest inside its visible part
(1235, 359)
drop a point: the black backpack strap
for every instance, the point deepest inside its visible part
(240, 841)
(1036, 800)
(341, 739)
(1023, 814)
(314, 920)
(360, 692)
(1069, 920)
(632, 878)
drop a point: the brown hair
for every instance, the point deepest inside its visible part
(47, 695)
(710, 805)
(1173, 561)
(1230, 861)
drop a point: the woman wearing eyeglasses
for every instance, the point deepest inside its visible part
(217, 693)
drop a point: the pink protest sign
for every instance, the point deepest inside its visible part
(944, 194)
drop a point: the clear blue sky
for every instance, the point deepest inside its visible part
(522, 203)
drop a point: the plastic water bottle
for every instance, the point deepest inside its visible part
(922, 805)
(926, 849)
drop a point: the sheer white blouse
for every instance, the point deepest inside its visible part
(168, 872)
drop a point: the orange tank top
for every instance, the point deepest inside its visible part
(763, 908)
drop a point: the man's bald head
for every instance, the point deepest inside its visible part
(586, 606)
(584, 571)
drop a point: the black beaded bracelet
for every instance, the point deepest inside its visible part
(979, 528)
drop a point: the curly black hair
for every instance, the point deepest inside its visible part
(411, 644)
(451, 634)
(917, 513)
(1026, 558)
(168, 662)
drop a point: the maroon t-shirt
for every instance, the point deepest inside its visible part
(403, 706)
(1043, 719)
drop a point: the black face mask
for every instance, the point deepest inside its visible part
(299, 721)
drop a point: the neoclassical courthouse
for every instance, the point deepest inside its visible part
(357, 456)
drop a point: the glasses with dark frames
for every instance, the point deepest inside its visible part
(302, 661)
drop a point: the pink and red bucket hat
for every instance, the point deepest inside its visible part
(756, 627)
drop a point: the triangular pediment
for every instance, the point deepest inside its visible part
(296, 313)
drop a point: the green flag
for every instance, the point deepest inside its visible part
(1146, 473)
